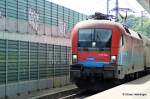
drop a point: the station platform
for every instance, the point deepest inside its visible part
(137, 89)
(52, 93)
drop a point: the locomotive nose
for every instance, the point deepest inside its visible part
(93, 59)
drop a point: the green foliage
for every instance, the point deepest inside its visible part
(135, 23)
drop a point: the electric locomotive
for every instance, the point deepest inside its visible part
(102, 49)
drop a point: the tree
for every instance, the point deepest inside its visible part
(135, 23)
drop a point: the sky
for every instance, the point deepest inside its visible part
(89, 7)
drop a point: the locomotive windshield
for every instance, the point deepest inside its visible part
(101, 38)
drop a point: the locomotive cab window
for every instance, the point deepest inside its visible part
(85, 34)
(103, 37)
(85, 37)
(94, 39)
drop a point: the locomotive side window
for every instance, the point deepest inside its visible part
(122, 41)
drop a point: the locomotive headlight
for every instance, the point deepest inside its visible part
(113, 59)
(74, 58)
(93, 44)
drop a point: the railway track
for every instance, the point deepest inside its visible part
(79, 95)
(58, 93)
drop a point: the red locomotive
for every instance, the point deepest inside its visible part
(102, 49)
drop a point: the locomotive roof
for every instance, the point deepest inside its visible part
(99, 22)
(146, 40)
(108, 23)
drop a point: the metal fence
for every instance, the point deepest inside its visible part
(22, 61)
(37, 17)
